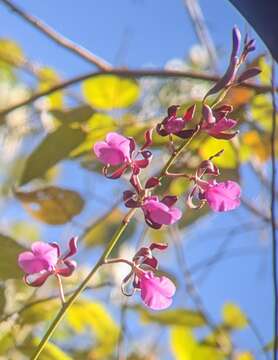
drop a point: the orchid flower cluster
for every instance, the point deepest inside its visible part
(120, 155)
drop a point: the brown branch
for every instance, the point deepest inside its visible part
(58, 38)
(128, 73)
(273, 213)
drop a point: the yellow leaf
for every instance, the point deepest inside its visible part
(261, 111)
(257, 146)
(265, 75)
(227, 160)
(107, 92)
(233, 316)
(48, 78)
(92, 315)
(96, 128)
(185, 346)
(11, 52)
(178, 186)
(238, 96)
(244, 356)
(51, 205)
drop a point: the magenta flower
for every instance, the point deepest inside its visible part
(215, 122)
(223, 196)
(173, 125)
(115, 150)
(156, 291)
(156, 212)
(120, 151)
(44, 260)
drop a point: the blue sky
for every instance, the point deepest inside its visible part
(139, 33)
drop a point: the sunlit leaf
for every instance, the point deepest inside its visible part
(178, 186)
(182, 317)
(244, 356)
(96, 129)
(261, 111)
(227, 160)
(107, 92)
(11, 52)
(47, 79)
(185, 346)
(238, 96)
(256, 146)
(55, 147)
(8, 258)
(51, 205)
(265, 75)
(92, 315)
(233, 316)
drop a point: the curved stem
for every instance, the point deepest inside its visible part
(176, 154)
(83, 285)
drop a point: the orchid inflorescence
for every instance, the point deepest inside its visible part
(120, 154)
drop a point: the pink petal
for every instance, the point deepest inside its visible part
(108, 155)
(160, 213)
(42, 257)
(72, 248)
(223, 196)
(222, 125)
(156, 292)
(67, 268)
(36, 280)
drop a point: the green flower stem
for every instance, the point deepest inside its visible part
(104, 256)
(176, 154)
(83, 285)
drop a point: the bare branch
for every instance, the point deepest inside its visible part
(201, 29)
(132, 73)
(58, 38)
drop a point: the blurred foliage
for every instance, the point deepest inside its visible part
(63, 126)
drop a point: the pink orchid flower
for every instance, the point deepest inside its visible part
(119, 151)
(156, 291)
(44, 260)
(223, 196)
(156, 212)
(173, 125)
(215, 122)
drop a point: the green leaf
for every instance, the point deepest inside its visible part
(107, 92)
(233, 316)
(10, 250)
(83, 315)
(40, 312)
(182, 317)
(269, 346)
(101, 231)
(76, 115)
(51, 205)
(50, 351)
(54, 148)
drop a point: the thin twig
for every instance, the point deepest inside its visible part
(58, 38)
(256, 211)
(128, 73)
(201, 29)
(273, 213)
